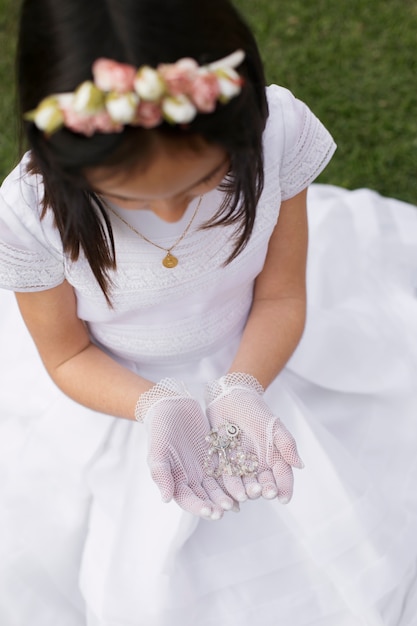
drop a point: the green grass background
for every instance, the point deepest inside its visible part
(8, 117)
(354, 62)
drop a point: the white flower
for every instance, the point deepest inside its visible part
(178, 109)
(122, 107)
(148, 84)
(230, 83)
(88, 99)
(47, 116)
(231, 61)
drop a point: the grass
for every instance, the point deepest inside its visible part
(8, 117)
(354, 62)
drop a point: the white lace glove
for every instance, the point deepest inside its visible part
(257, 456)
(177, 428)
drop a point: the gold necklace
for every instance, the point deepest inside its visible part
(169, 259)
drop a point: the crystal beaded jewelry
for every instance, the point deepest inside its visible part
(121, 95)
(169, 261)
(225, 455)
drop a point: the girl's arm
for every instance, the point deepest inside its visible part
(78, 368)
(276, 321)
(176, 438)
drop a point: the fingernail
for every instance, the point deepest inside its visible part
(300, 464)
(270, 494)
(216, 514)
(241, 497)
(205, 511)
(227, 505)
(254, 491)
(235, 508)
(284, 499)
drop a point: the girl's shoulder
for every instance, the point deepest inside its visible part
(21, 191)
(31, 256)
(296, 143)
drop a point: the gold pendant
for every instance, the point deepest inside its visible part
(170, 261)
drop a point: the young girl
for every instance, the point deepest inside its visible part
(155, 235)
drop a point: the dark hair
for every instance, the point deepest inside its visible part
(58, 43)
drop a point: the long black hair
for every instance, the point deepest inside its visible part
(58, 43)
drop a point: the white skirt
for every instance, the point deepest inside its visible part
(86, 541)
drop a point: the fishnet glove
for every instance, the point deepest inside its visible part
(237, 399)
(177, 428)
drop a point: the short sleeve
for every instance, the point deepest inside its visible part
(297, 138)
(31, 257)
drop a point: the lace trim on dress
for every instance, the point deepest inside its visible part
(308, 157)
(141, 282)
(24, 270)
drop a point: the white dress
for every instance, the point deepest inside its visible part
(84, 537)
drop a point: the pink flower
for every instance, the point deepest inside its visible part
(204, 92)
(112, 76)
(121, 95)
(148, 115)
(178, 77)
(79, 122)
(90, 124)
(104, 124)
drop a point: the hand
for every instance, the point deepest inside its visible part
(264, 444)
(177, 428)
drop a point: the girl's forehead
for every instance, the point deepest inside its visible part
(166, 172)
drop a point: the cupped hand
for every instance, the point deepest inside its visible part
(177, 427)
(236, 400)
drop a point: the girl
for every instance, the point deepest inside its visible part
(155, 235)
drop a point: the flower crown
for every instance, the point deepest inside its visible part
(120, 94)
